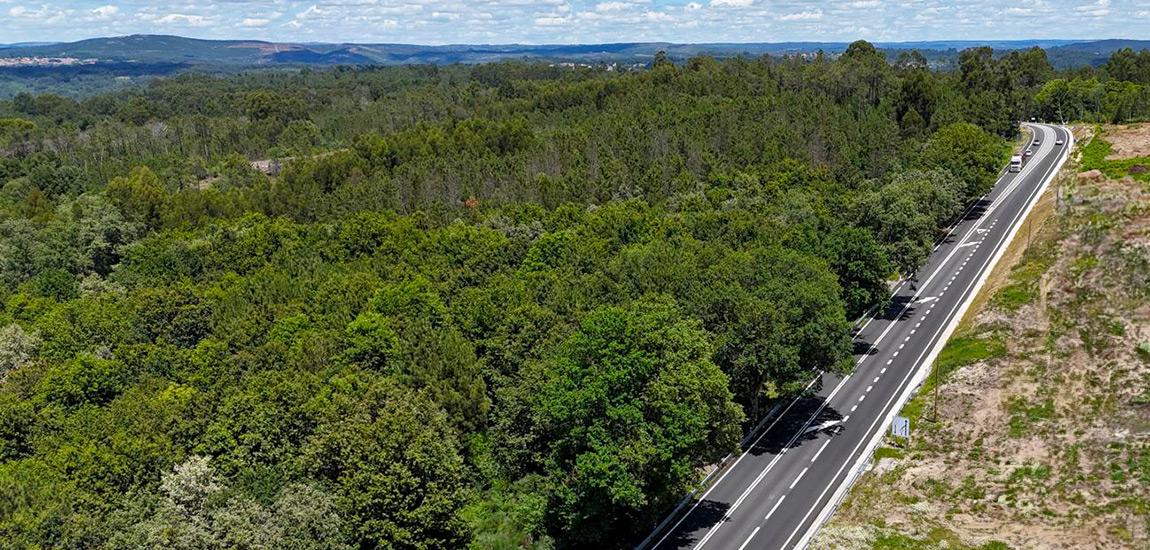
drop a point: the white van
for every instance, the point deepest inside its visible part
(1016, 163)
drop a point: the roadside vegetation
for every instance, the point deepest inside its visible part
(500, 306)
(1039, 439)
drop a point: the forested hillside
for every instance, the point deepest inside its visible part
(500, 306)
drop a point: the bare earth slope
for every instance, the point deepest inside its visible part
(1039, 433)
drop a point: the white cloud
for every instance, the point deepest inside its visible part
(551, 21)
(1101, 8)
(183, 19)
(43, 15)
(732, 3)
(802, 16)
(105, 11)
(571, 21)
(658, 16)
(611, 6)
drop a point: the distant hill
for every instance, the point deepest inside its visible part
(149, 49)
(24, 45)
(342, 56)
(153, 49)
(176, 49)
(1090, 53)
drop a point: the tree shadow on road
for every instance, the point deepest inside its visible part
(782, 435)
(779, 435)
(896, 311)
(973, 213)
(708, 514)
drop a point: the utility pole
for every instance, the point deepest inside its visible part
(934, 375)
(1057, 194)
(1029, 230)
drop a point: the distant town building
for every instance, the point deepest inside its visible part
(43, 61)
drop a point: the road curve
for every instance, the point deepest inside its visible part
(785, 484)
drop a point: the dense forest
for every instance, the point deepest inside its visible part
(496, 306)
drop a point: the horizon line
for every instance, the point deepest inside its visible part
(546, 44)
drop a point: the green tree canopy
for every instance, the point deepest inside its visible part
(627, 409)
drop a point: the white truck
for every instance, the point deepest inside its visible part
(1016, 163)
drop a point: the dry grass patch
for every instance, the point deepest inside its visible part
(1128, 141)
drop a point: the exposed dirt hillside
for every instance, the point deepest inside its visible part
(1129, 141)
(1040, 437)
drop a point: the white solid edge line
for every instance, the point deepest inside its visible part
(975, 226)
(898, 288)
(1014, 183)
(736, 463)
(920, 373)
(759, 479)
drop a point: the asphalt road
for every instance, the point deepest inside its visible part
(777, 493)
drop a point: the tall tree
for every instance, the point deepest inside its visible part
(627, 410)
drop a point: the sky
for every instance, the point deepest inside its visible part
(576, 21)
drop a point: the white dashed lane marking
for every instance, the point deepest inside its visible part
(753, 533)
(825, 443)
(796, 481)
(773, 508)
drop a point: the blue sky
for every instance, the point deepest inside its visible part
(575, 21)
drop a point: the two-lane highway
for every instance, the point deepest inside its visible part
(777, 493)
